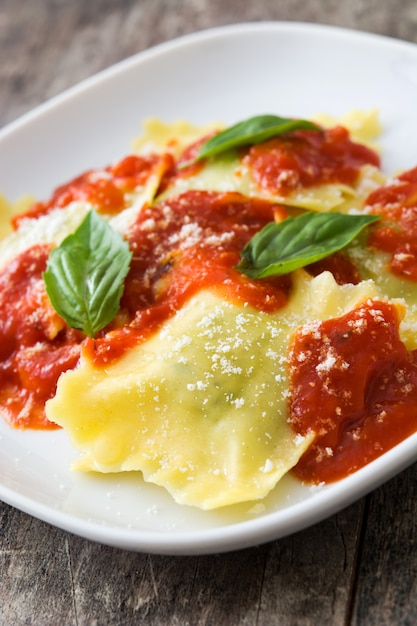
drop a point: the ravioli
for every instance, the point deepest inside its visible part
(158, 136)
(51, 226)
(375, 267)
(232, 170)
(364, 126)
(226, 174)
(200, 408)
(8, 209)
(391, 262)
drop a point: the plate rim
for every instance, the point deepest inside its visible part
(234, 536)
(190, 39)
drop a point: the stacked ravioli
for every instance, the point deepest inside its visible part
(200, 400)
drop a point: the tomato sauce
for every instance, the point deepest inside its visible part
(340, 265)
(353, 383)
(183, 245)
(36, 346)
(305, 158)
(107, 190)
(397, 234)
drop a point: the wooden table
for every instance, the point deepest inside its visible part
(358, 567)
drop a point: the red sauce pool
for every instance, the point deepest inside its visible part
(397, 235)
(104, 189)
(181, 246)
(36, 346)
(304, 158)
(354, 383)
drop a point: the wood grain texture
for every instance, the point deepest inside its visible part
(386, 583)
(358, 567)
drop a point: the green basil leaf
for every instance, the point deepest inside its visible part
(251, 131)
(280, 248)
(85, 275)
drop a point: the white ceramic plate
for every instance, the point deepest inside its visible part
(224, 74)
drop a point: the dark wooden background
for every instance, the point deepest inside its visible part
(358, 567)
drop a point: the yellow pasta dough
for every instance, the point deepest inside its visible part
(200, 408)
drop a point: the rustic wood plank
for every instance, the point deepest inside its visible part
(308, 576)
(386, 585)
(163, 590)
(62, 579)
(35, 577)
(317, 576)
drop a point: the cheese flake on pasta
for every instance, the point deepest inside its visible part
(200, 408)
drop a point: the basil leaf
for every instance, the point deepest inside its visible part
(280, 248)
(251, 131)
(85, 274)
